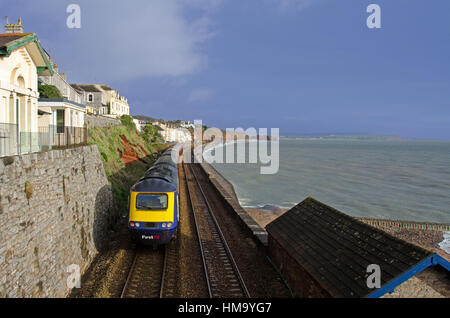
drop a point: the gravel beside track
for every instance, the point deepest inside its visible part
(222, 274)
(185, 273)
(146, 274)
(260, 277)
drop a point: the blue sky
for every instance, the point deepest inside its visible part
(302, 66)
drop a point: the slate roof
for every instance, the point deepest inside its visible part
(6, 38)
(336, 248)
(86, 88)
(106, 88)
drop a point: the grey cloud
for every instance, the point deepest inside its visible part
(121, 40)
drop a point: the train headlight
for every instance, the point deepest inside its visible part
(132, 224)
(138, 224)
(169, 224)
(164, 225)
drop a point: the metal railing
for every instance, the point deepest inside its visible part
(62, 136)
(9, 145)
(13, 142)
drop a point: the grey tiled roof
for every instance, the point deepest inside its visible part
(86, 88)
(6, 38)
(335, 248)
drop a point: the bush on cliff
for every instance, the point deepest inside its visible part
(150, 134)
(128, 122)
(113, 143)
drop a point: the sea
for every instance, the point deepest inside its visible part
(388, 179)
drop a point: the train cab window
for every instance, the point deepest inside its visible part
(152, 202)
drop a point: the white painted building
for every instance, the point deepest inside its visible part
(188, 124)
(63, 113)
(175, 135)
(140, 124)
(22, 58)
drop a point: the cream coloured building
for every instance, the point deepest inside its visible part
(61, 113)
(117, 105)
(22, 58)
(61, 123)
(102, 100)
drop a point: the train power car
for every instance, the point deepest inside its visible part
(153, 201)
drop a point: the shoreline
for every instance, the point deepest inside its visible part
(285, 189)
(427, 235)
(431, 282)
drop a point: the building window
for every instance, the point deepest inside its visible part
(90, 97)
(60, 121)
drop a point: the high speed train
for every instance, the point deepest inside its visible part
(153, 201)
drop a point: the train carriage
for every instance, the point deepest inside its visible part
(153, 201)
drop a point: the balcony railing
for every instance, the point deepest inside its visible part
(13, 142)
(62, 136)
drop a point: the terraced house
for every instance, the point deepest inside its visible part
(22, 58)
(61, 118)
(102, 100)
(117, 105)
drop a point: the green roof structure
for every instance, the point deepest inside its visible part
(10, 42)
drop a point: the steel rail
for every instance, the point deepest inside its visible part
(163, 276)
(222, 237)
(205, 268)
(130, 274)
(132, 271)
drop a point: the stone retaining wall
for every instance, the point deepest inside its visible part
(55, 210)
(101, 121)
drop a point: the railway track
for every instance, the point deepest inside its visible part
(152, 274)
(223, 277)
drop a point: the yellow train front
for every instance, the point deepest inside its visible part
(153, 202)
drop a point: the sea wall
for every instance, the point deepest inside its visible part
(406, 225)
(55, 210)
(226, 191)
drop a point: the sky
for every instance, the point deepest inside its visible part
(304, 66)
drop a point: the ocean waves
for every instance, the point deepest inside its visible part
(394, 180)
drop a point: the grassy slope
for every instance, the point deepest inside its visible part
(111, 146)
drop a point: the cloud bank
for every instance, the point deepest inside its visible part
(121, 40)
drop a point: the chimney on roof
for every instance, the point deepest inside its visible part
(14, 28)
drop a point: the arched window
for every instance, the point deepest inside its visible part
(90, 97)
(21, 81)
